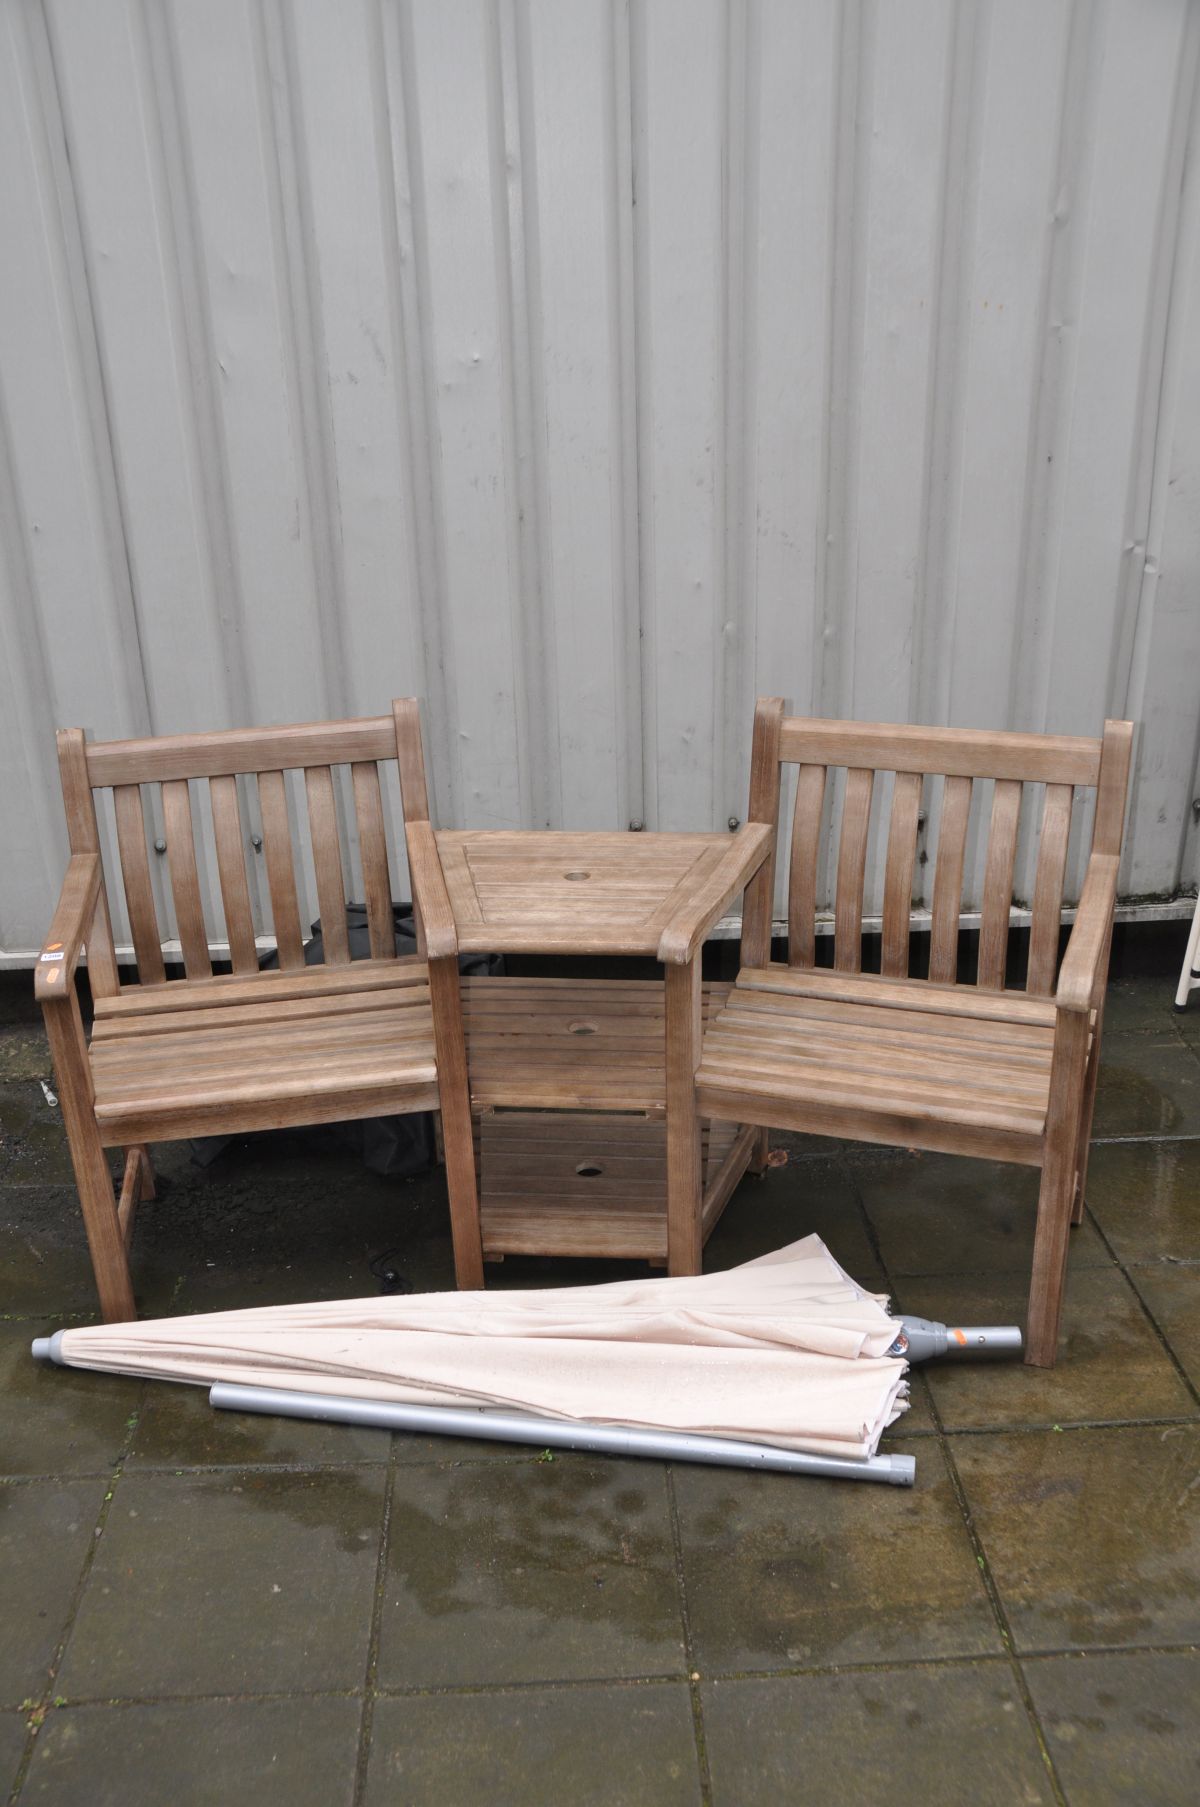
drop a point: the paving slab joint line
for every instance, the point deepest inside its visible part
(988, 1579)
(1172, 1421)
(538, 1684)
(1149, 1137)
(698, 1732)
(366, 1722)
(38, 1712)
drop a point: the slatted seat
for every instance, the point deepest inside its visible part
(919, 1056)
(215, 1063)
(251, 1049)
(973, 1069)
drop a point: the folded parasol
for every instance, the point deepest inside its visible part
(786, 1350)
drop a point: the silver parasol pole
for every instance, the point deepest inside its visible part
(555, 1433)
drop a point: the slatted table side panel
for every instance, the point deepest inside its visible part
(580, 1183)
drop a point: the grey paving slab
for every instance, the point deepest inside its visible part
(535, 1747)
(46, 1532)
(1149, 1086)
(44, 1265)
(33, 1147)
(941, 1214)
(803, 1198)
(1146, 1199)
(275, 1753)
(13, 1733)
(1123, 1730)
(1139, 1007)
(1111, 1364)
(784, 1570)
(57, 1420)
(229, 1583)
(1093, 1536)
(944, 1733)
(529, 1571)
(1172, 1294)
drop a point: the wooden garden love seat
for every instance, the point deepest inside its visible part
(973, 1069)
(250, 1049)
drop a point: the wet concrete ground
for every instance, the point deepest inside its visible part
(203, 1609)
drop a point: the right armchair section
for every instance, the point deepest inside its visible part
(931, 1063)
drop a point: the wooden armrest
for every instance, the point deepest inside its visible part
(1080, 969)
(689, 925)
(429, 890)
(69, 929)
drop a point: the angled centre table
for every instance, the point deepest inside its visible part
(568, 1077)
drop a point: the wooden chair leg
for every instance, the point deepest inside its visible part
(1068, 1084)
(685, 1243)
(1083, 1147)
(106, 1243)
(146, 1187)
(759, 1150)
(457, 1136)
(93, 1176)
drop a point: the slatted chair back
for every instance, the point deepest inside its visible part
(958, 759)
(260, 757)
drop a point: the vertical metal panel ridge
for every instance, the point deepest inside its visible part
(134, 709)
(307, 359)
(1168, 741)
(625, 404)
(1161, 351)
(936, 590)
(27, 713)
(168, 117)
(414, 306)
(735, 624)
(518, 279)
(833, 653)
(1050, 422)
(643, 354)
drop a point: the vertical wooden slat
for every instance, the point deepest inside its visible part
(372, 843)
(897, 883)
(185, 879)
(231, 865)
(948, 880)
(83, 834)
(802, 872)
(758, 904)
(281, 871)
(327, 863)
(852, 861)
(997, 883)
(135, 875)
(1048, 889)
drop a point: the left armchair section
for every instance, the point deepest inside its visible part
(281, 817)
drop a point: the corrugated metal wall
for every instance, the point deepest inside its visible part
(586, 367)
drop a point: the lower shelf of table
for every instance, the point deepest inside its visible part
(591, 1183)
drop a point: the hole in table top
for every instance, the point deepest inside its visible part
(589, 1170)
(577, 875)
(580, 1027)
